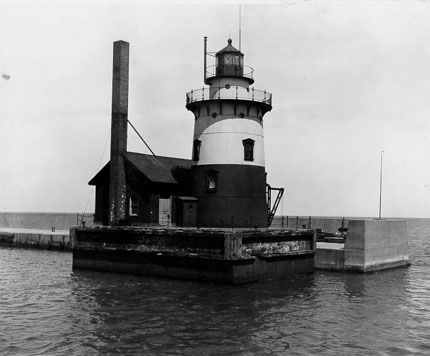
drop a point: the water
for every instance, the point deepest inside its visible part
(46, 308)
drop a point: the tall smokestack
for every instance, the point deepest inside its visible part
(117, 183)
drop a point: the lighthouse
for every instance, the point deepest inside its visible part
(220, 188)
(229, 176)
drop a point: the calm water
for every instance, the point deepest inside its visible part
(46, 308)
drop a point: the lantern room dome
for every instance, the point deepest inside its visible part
(229, 49)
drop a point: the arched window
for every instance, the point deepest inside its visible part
(248, 149)
(196, 150)
(211, 181)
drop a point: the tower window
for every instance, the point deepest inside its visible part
(196, 150)
(211, 181)
(248, 149)
(134, 206)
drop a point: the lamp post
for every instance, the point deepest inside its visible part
(380, 187)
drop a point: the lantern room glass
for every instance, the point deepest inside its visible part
(229, 64)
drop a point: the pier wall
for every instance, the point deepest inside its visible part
(329, 258)
(376, 244)
(208, 255)
(36, 240)
(45, 221)
(370, 245)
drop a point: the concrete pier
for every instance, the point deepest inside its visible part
(371, 245)
(208, 255)
(242, 255)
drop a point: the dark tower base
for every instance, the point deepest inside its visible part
(239, 197)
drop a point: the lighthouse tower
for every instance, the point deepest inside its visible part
(229, 178)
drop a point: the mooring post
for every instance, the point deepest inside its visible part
(314, 240)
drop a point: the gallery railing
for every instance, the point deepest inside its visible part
(234, 92)
(240, 71)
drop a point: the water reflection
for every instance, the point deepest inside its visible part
(161, 315)
(47, 308)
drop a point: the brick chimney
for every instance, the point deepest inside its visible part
(118, 147)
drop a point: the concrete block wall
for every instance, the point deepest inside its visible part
(330, 259)
(376, 244)
(50, 241)
(44, 221)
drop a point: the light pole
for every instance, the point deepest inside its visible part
(380, 186)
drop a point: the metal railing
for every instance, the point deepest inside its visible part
(247, 72)
(84, 219)
(234, 92)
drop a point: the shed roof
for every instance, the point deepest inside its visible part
(157, 169)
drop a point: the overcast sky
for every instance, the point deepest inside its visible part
(348, 80)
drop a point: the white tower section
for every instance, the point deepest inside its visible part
(221, 134)
(229, 179)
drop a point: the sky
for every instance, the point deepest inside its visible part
(349, 79)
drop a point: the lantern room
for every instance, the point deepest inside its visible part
(229, 62)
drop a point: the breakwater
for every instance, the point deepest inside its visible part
(43, 221)
(36, 239)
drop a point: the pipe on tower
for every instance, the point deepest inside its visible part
(204, 58)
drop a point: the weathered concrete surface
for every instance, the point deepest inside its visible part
(370, 245)
(206, 255)
(33, 238)
(376, 244)
(330, 256)
(44, 221)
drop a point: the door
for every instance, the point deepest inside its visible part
(190, 213)
(164, 212)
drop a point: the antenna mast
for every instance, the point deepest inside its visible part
(380, 186)
(240, 27)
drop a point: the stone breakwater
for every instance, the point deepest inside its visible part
(36, 239)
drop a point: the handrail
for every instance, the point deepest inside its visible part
(234, 92)
(248, 72)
